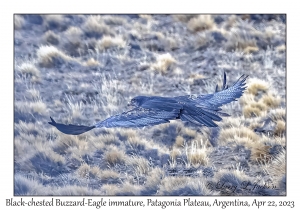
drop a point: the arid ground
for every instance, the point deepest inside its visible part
(81, 69)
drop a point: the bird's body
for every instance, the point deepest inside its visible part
(153, 110)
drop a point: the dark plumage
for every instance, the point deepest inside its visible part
(153, 110)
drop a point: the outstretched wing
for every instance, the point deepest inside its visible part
(139, 117)
(71, 129)
(225, 95)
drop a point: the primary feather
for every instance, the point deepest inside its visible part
(153, 110)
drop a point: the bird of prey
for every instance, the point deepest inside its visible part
(152, 110)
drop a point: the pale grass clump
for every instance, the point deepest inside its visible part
(202, 39)
(58, 19)
(174, 154)
(27, 186)
(33, 93)
(178, 71)
(240, 40)
(183, 18)
(51, 37)
(197, 154)
(278, 114)
(36, 106)
(169, 184)
(281, 48)
(154, 178)
(84, 170)
(109, 189)
(74, 190)
(75, 108)
(73, 33)
(91, 62)
(108, 174)
(113, 20)
(189, 132)
(64, 142)
(30, 69)
(108, 42)
(258, 99)
(280, 128)
(237, 133)
(255, 108)
(18, 22)
(140, 164)
(163, 63)
(135, 142)
(270, 100)
(109, 139)
(254, 85)
(47, 54)
(179, 141)
(39, 107)
(95, 25)
(277, 166)
(23, 127)
(130, 189)
(114, 156)
(201, 23)
(23, 150)
(260, 153)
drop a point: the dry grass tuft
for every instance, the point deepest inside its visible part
(53, 19)
(109, 189)
(277, 167)
(260, 153)
(33, 93)
(154, 178)
(50, 56)
(114, 157)
(74, 190)
(24, 186)
(92, 62)
(280, 128)
(255, 85)
(140, 164)
(201, 23)
(113, 20)
(136, 142)
(109, 139)
(29, 69)
(179, 141)
(197, 154)
(108, 174)
(51, 38)
(281, 48)
(18, 22)
(163, 63)
(239, 40)
(270, 100)
(237, 134)
(75, 107)
(254, 109)
(95, 26)
(183, 18)
(108, 41)
(84, 170)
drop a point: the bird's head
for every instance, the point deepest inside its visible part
(137, 101)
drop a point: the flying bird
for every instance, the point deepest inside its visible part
(152, 110)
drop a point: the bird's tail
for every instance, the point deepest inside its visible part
(71, 129)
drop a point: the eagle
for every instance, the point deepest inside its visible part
(201, 110)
